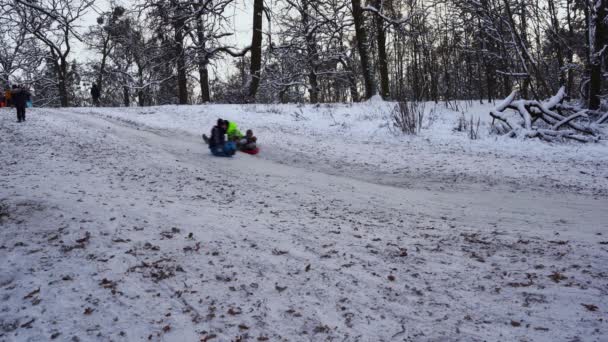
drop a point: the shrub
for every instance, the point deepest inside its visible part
(474, 129)
(298, 115)
(432, 116)
(462, 125)
(407, 116)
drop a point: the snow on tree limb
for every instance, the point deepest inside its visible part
(568, 119)
(396, 22)
(530, 111)
(506, 102)
(556, 99)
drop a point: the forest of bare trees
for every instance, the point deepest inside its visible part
(167, 51)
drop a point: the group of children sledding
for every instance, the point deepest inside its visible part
(221, 146)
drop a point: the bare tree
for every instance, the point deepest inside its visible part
(54, 23)
(19, 53)
(207, 24)
(162, 51)
(103, 38)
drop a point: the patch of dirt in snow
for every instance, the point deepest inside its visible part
(113, 233)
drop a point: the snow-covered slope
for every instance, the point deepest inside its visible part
(118, 225)
(356, 140)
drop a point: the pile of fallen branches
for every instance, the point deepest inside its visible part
(549, 120)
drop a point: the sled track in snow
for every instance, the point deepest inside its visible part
(431, 178)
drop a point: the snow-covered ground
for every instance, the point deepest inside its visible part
(355, 141)
(117, 224)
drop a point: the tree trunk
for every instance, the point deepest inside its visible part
(182, 79)
(352, 82)
(314, 87)
(382, 55)
(202, 61)
(126, 97)
(480, 62)
(525, 44)
(256, 48)
(140, 90)
(347, 65)
(63, 93)
(414, 71)
(63, 86)
(282, 96)
(569, 53)
(204, 81)
(558, 45)
(398, 57)
(311, 50)
(362, 45)
(102, 66)
(140, 98)
(597, 42)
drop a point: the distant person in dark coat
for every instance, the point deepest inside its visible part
(95, 94)
(19, 97)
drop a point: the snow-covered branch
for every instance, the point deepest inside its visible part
(530, 111)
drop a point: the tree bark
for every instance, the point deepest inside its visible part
(256, 48)
(558, 46)
(525, 44)
(204, 81)
(311, 50)
(140, 90)
(597, 44)
(415, 71)
(382, 55)
(182, 79)
(569, 53)
(126, 96)
(362, 46)
(102, 66)
(63, 86)
(202, 60)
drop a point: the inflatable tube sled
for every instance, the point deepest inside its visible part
(252, 152)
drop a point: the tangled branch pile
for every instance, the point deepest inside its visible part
(550, 120)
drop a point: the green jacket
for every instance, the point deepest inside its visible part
(233, 132)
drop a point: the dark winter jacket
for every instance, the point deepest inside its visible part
(95, 91)
(20, 97)
(217, 137)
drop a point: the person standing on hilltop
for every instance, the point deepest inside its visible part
(19, 97)
(95, 94)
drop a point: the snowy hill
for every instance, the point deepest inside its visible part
(357, 141)
(117, 224)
